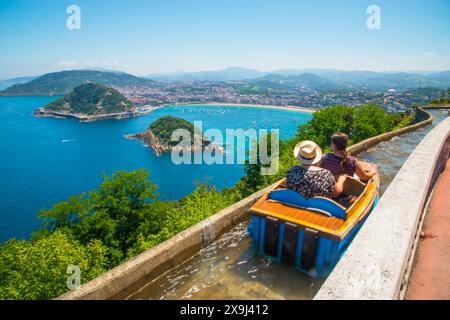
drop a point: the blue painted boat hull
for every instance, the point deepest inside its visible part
(312, 254)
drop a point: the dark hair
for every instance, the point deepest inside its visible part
(340, 140)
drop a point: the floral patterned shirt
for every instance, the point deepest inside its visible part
(310, 183)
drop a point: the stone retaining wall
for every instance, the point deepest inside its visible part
(123, 279)
(120, 281)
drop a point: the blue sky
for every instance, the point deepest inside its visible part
(149, 36)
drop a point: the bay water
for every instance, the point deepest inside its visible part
(46, 160)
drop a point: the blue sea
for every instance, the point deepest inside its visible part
(46, 160)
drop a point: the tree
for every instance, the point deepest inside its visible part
(125, 198)
(358, 122)
(369, 121)
(325, 123)
(65, 214)
(253, 179)
(112, 214)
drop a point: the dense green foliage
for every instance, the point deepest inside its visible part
(38, 269)
(99, 230)
(60, 83)
(176, 216)
(124, 216)
(91, 99)
(112, 214)
(444, 99)
(358, 122)
(164, 126)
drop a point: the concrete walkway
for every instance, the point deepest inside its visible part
(430, 276)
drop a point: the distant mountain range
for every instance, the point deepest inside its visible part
(303, 80)
(228, 74)
(60, 83)
(9, 82)
(330, 78)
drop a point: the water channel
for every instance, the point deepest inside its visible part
(228, 269)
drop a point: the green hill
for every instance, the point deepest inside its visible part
(60, 83)
(159, 133)
(164, 126)
(271, 83)
(91, 99)
(443, 100)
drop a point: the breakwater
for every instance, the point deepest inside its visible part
(85, 118)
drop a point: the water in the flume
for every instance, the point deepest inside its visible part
(228, 269)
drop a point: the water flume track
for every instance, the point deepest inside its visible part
(228, 269)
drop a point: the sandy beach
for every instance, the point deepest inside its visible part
(291, 108)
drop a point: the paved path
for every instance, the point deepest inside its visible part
(430, 277)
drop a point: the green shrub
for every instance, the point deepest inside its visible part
(358, 122)
(180, 215)
(325, 123)
(38, 269)
(112, 213)
(369, 121)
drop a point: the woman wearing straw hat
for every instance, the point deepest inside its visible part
(309, 179)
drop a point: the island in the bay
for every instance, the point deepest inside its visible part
(90, 102)
(158, 137)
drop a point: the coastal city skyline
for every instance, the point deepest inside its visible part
(175, 36)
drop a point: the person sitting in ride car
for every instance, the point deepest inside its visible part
(339, 162)
(309, 179)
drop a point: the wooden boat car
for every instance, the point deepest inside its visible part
(310, 234)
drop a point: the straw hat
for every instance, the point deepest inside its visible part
(308, 152)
